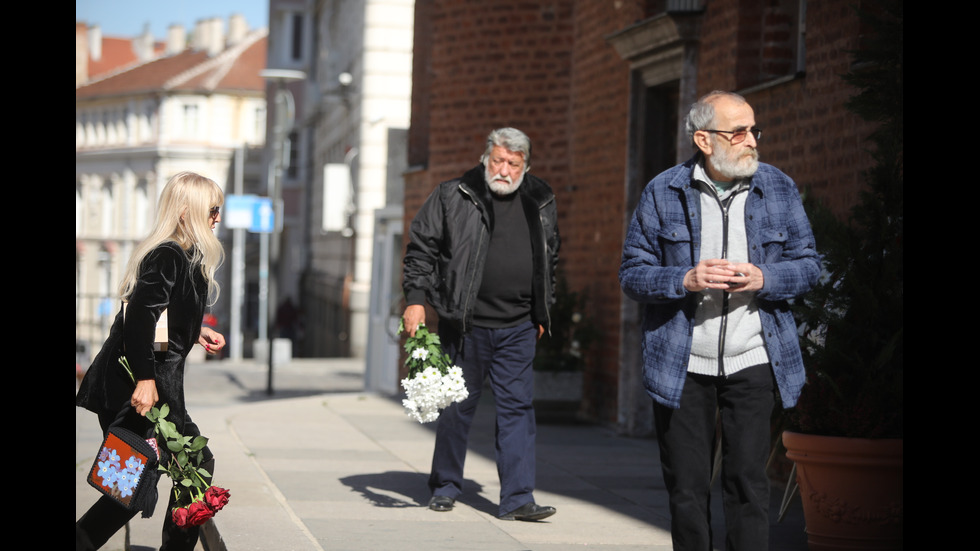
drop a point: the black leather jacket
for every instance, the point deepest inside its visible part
(448, 242)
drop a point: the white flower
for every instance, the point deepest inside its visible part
(429, 391)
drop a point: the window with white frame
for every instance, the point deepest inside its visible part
(259, 124)
(79, 209)
(141, 208)
(190, 120)
(107, 210)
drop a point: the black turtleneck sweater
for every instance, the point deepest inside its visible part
(504, 299)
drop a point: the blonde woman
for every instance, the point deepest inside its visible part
(172, 269)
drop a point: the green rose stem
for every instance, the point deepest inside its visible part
(125, 364)
(185, 457)
(200, 492)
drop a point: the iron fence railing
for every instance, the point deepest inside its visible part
(93, 317)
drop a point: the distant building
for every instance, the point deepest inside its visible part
(143, 112)
(346, 156)
(98, 56)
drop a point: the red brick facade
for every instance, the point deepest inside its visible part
(549, 69)
(593, 227)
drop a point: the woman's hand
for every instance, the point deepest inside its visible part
(211, 340)
(145, 396)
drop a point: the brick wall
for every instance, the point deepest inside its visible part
(546, 68)
(490, 64)
(494, 64)
(595, 202)
(807, 131)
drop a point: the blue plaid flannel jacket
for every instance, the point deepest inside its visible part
(663, 244)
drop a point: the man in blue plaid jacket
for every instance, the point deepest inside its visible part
(714, 252)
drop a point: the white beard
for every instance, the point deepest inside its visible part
(735, 165)
(502, 185)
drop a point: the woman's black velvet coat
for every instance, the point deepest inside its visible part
(167, 280)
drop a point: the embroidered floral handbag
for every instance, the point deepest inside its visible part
(125, 468)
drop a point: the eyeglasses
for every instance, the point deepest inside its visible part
(738, 136)
(215, 211)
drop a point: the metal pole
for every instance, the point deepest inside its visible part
(270, 243)
(283, 120)
(237, 267)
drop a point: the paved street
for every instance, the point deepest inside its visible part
(322, 465)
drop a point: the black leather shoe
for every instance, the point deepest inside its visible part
(441, 503)
(529, 512)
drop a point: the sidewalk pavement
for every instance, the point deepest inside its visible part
(323, 465)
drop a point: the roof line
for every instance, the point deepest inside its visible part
(222, 63)
(122, 69)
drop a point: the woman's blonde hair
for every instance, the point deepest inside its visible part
(184, 217)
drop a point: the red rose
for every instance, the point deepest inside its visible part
(198, 513)
(179, 516)
(216, 497)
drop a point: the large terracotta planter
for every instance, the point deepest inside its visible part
(851, 489)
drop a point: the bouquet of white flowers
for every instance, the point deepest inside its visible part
(432, 383)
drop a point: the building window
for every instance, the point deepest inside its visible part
(141, 209)
(296, 37)
(292, 148)
(112, 127)
(108, 211)
(79, 209)
(101, 125)
(105, 283)
(771, 41)
(259, 137)
(79, 129)
(190, 120)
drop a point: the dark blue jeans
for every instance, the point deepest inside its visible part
(505, 356)
(687, 446)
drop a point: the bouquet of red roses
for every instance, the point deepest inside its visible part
(197, 500)
(198, 512)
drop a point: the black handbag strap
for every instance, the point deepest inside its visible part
(121, 416)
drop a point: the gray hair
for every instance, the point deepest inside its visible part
(702, 114)
(510, 139)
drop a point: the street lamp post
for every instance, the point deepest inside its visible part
(269, 244)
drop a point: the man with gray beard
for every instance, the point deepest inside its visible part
(482, 251)
(715, 249)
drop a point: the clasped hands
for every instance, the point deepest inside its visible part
(718, 273)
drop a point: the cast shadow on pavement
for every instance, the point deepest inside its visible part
(399, 489)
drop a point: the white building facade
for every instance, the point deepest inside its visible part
(188, 109)
(352, 129)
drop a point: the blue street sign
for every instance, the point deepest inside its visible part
(249, 212)
(263, 221)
